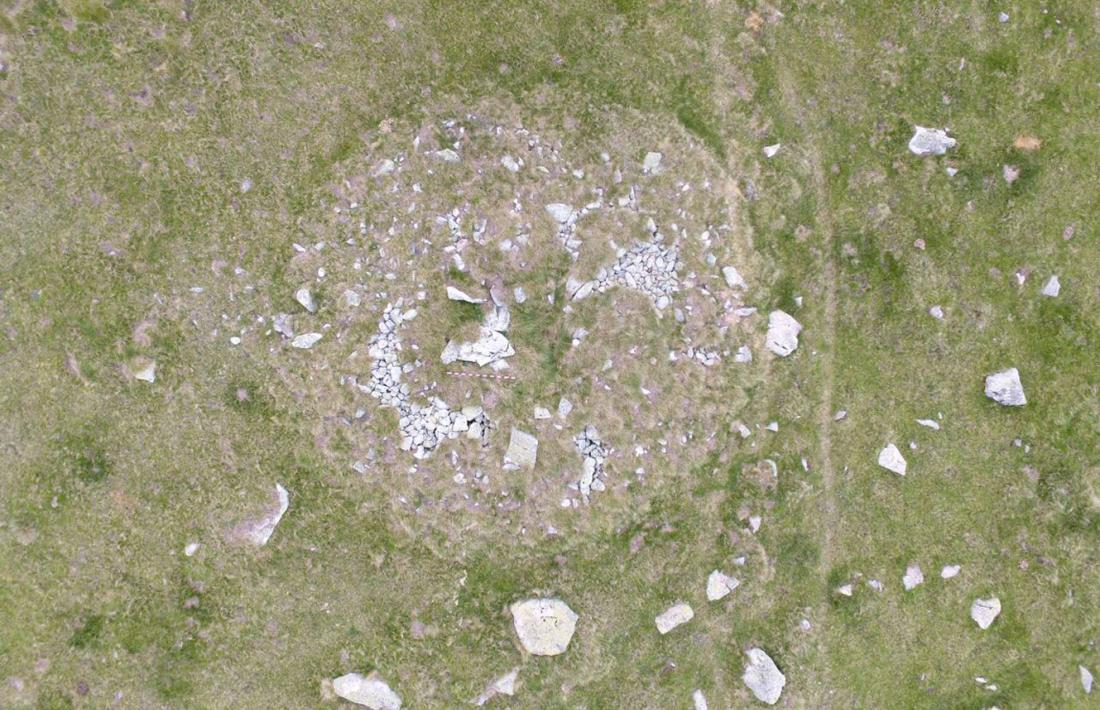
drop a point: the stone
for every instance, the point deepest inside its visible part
(190, 549)
(1086, 679)
(651, 163)
(936, 312)
(892, 460)
(281, 323)
(371, 691)
(733, 278)
(304, 297)
(504, 685)
(675, 615)
(544, 626)
(912, 578)
(1004, 388)
(542, 413)
(259, 530)
(564, 407)
(1052, 287)
(950, 571)
(930, 141)
(930, 423)
(447, 155)
(770, 151)
(560, 212)
(455, 294)
(510, 164)
(490, 347)
(783, 330)
(763, 677)
(698, 700)
(305, 341)
(522, 450)
(146, 372)
(984, 611)
(351, 298)
(719, 585)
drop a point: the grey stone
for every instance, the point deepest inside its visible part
(1004, 388)
(763, 677)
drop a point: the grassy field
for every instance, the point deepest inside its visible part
(150, 149)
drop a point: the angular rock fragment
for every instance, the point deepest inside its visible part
(522, 450)
(733, 277)
(456, 294)
(561, 212)
(146, 371)
(930, 423)
(490, 347)
(770, 151)
(892, 460)
(930, 141)
(984, 611)
(762, 677)
(544, 626)
(305, 298)
(950, 571)
(1052, 287)
(1004, 387)
(259, 530)
(719, 585)
(651, 163)
(698, 700)
(783, 330)
(370, 691)
(305, 341)
(674, 616)
(504, 685)
(1086, 679)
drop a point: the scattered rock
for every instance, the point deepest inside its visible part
(1052, 287)
(455, 294)
(259, 530)
(930, 423)
(190, 549)
(146, 372)
(522, 450)
(544, 626)
(913, 577)
(984, 611)
(651, 163)
(719, 585)
(305, 298)
(674, 616)
(1004, 387)
(930, 141)
(305, 341)
(1086, 679)
(447, 155)
(733, 278)
(510, 164)
(371, 691)
(762, 677)
(936, 312)
(504, 685)
(698, 700)
(1011, 173)
(490, 347)
(950, 571)
(892, 460)
(561, 212)
(783, 330)
(770, 151)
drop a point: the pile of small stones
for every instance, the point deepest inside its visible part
(423, 427)
(593, 454)
(649, 267)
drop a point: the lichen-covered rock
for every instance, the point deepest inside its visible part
(1005, 388)
(783, 330)
(930, 141)
(763, 677)
(544, 626)
(984, 611)
(371, 691)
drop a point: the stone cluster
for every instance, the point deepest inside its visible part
(593, 455)
(423, 426)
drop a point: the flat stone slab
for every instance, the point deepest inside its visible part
(259, 530)
(890, 458)
(370, 691)
(1005, 388)
(544, 626)
(930, 141)
(674, 616)
(763, 677)
(783, 330)
(984, 611)
(523, 449)
(719, 585)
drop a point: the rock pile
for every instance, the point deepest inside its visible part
(649, 267)
(423, 427)
(593, 455)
